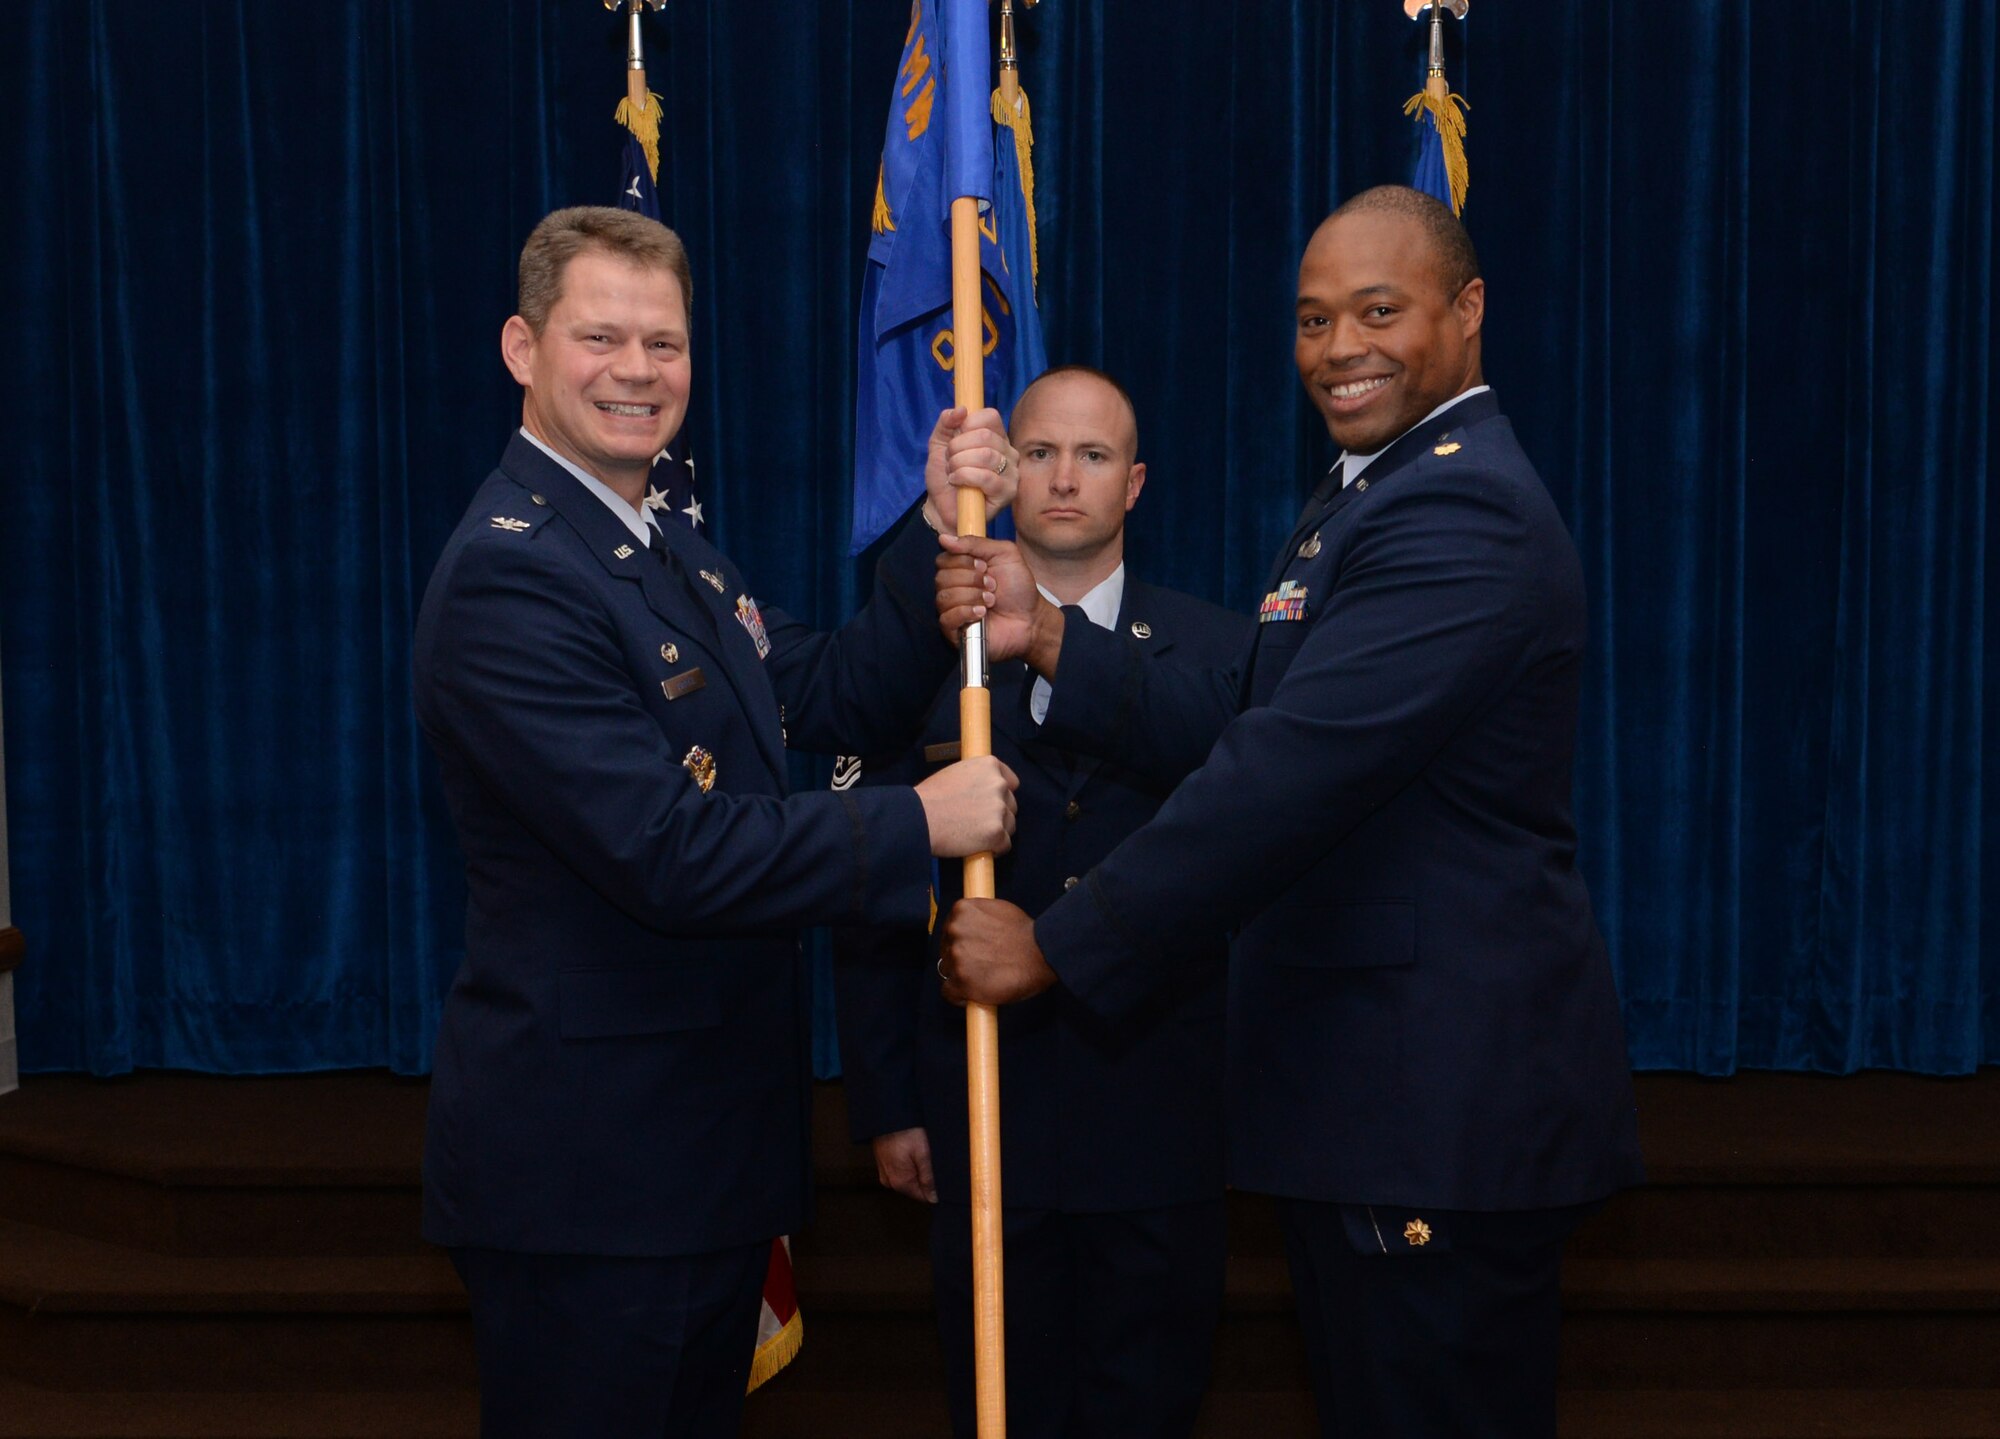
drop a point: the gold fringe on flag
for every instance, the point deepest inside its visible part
(884, 221)
(1448, 110)
(645, 127)
(778, 1351)
(1022, 124)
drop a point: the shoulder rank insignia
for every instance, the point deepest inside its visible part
(752, 620)
(701, 764)
(513, 527)
(1449, 449)
(714, 580)
(1417, 1232)
(1286, 602)
(624, 552)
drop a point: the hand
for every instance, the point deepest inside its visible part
(990, 580)
(969, 807)
(969, 452)
(903, 1163)
(989, 954)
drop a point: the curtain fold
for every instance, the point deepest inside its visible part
(1741, 310)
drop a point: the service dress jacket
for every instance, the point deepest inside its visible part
(624, 1061)
(1095, 1116)
(1421, 1010)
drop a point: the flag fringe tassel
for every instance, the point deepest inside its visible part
(645, 127)
(1447, 112)
(778, 1351)
(1023, 126)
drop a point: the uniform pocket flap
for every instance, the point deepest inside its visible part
(603, 1003)
(1365, 934)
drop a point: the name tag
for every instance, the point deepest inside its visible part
(946, 753)
(1286, 602)
(685, 683)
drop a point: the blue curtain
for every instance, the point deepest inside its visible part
(1741, 264)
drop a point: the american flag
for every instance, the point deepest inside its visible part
(670, 488)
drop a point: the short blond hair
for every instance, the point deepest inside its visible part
(565, 234)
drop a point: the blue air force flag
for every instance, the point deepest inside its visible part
(939, 145)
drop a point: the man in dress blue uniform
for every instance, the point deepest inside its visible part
(1426, 1062)
(618, 1121)
(1111, 1133)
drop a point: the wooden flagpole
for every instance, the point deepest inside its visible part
(975, 738)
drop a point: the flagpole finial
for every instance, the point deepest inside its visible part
(635, 48)
(1415, 8)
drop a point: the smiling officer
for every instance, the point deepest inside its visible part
(1426, 1060)
(618, 1119)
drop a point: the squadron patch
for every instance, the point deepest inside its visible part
(1286, 602)
(701, 764)
(752, 620)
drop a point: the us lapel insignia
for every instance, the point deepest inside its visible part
(1451, 449)
(1286, 602)
(714, 580)
(1141, 630)
(1417, 1232)
(512, 527)
(1310, 548)
(701, 764)
(624, 552)
(752, 620)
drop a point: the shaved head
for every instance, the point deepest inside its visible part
(1449, 247)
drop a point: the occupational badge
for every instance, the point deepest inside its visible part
(752, 620)
(1310, 549)
(507, 523)
(701, 764)
(1286, 602)
(714, 580)
(1451, 449)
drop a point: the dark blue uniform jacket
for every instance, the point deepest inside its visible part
(1095, 1115)
(623, 1063)
(1421, 1010)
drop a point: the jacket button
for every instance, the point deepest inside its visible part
(1070, 883)
(1072, 810)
